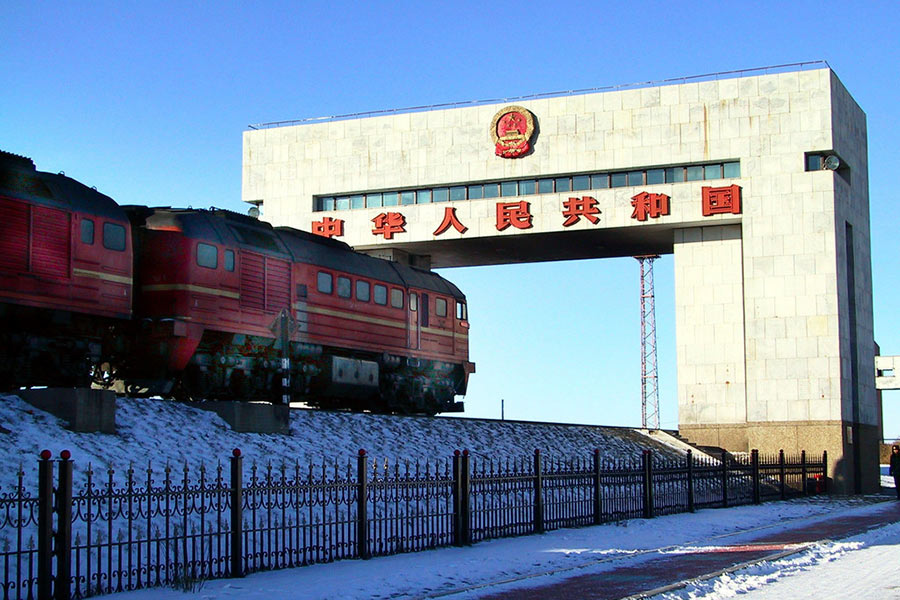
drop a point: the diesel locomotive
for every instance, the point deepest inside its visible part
(212, 304)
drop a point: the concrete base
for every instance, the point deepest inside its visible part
(251, 417)
(85, 410)
(835, 437)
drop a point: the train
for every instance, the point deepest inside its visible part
(211, 304)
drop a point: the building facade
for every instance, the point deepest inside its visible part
(757, 184)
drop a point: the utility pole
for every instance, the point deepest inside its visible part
(649, 373)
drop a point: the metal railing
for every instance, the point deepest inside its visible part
(784, 68)
(140, 529)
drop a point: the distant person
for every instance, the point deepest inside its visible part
(895, 467)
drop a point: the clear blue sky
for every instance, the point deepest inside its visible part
(147, 102)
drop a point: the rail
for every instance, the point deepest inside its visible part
(784, 68)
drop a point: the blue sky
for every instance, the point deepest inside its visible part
(147, 102)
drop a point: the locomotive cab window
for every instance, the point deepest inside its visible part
(363, 291)
(114, 237)
(396, 298)
(229, 260)
(380, 294)
(461, 313)
(344, 287)
(413, 301)
(207, 256)
(440, 307)
(324, 282)
(87, 232)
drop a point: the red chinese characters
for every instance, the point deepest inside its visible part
(328, 227)
(575, 208)
(387, 224)
(649, 205)
(517, 214)
(450, 219)
(723, 200)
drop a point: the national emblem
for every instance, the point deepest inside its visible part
(511, 131)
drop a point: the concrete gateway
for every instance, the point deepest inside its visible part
(757, 183)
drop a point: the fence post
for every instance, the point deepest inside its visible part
(781, 473)
(45, 527)
(457, 500)
(725, 478)
(598, 500)
(362, 507)
(825, 471)
(754, 465)
(690, 480)
(465, 492)
(538, 494)
(647, 480)
(804, 472)
(237, 513)
(63, 550)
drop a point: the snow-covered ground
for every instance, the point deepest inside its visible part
(862, 567)
(161, 432)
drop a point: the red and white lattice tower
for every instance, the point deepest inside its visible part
(649, 373)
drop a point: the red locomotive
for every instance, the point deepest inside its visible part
(225, 306)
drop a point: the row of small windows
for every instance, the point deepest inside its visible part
(208, 256)
(526, 187)
(365, 291)
(113, 235)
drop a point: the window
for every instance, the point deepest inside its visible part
(635, 178)
(732, 169)
(396, 298)
(491, 190)
(526, 187)
(407, 198)
(457, 192)
(619, 180)
(461, 313)
(476, 192)
(207, 256)
(342, 203)
(413, 301)
(509, 188)
(423, 197)
(390, 198)
(581, 182)
(694, 173)
(380, 294)
(656, 176)
(323, 283)
(545, 186)
(562, 184)
(440, 307)
(114, 237)
(363, 291)
(675, 175)
(712, 172)
(229, 260)
(344, 288)
(441, 195)
(358, 201)
(600, 182)
(87, 231)
(373, 200)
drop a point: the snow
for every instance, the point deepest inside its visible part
(865, 566)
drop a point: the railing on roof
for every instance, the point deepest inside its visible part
(785, 68)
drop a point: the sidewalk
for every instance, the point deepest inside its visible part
(657, 570)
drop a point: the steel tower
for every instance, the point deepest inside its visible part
(649, 373)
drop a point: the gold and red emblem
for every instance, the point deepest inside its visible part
(511, 130)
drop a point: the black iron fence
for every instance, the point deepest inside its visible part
(166, 527)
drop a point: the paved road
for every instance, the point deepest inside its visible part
(655, 570)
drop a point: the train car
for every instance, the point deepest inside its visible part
(65, 278)
(228, 306)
